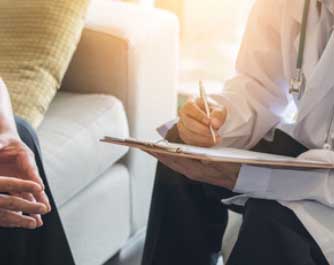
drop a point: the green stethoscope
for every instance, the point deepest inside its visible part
(298, 84)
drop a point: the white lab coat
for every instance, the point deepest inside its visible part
(258, 96)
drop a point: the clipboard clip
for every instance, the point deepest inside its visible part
(167, 146)
(163, 144)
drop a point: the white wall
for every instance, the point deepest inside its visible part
(212, 31)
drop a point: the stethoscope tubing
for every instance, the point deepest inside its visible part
(300, 78)
(302, 41)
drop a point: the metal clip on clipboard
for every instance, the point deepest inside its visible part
(163, 145)
(167, 146)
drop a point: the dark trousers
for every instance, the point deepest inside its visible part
(45, 246)
(187, 222)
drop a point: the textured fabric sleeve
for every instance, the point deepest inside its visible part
(287, 185)
(290, 185)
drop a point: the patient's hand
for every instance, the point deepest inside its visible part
(13, 206)
(194, 125)
(18, 161)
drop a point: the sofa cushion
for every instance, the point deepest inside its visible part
(37, 41)
(70, 135)
(97, 220)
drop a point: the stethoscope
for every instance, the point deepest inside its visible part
(298, 83)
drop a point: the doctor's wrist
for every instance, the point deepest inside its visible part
(230, 176)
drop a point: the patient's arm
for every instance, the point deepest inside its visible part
(17, 163)
(7, 123)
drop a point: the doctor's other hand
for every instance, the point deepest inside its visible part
(218, 174)
(194, 124)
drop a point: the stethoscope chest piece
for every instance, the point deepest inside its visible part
(298, 84)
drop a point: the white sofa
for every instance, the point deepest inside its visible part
(121, 82)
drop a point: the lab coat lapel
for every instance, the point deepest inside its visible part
(320, 82)
(296, 8)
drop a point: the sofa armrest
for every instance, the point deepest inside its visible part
(131, 52)
(124, 48)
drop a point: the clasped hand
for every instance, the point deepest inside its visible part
(194, 129)
(22, 196)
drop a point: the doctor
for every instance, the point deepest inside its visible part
(288, 214)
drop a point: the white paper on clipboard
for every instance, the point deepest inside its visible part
(220, 154)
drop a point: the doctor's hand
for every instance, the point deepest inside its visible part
(218, 174)
(194, 125)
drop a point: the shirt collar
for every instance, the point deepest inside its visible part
(329, 4)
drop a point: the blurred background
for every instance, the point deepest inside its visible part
(122, 81)
(211, 31)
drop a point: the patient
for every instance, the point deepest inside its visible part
(31, 232)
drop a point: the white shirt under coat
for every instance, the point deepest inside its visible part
(257, 98)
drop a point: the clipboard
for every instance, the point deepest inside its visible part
(219, 155)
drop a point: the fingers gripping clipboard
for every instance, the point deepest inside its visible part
(219, 155)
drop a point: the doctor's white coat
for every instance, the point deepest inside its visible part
(258, 96)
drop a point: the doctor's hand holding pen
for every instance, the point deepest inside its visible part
(199, 125)
(199, 128)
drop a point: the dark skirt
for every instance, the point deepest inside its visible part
(46, 245)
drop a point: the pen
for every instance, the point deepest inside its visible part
(207, 110)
